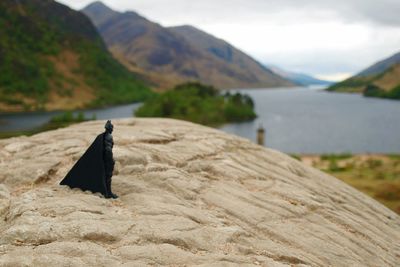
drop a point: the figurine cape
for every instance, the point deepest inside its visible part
(88, 173)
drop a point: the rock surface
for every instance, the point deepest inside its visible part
(189, 196)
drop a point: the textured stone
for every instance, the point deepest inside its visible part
(189, 196)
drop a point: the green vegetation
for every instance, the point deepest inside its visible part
(374, 91)
(295, 156)
(115, 83)
(331, 157)
(352, 85)
(368, 85)
(69, 118)
(22, 41)
(33, 32)
(394, 156)
(376, 175)
(199, 103)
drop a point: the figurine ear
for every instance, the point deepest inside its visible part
(108, 124)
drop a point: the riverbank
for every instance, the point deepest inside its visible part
(296, 121)
(377, 175)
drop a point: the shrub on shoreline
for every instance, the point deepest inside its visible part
(199, 103)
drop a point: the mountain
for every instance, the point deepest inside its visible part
(380, 80)
(99, 13)
(299, 78)
(381, 66)
(51, 57)
(168, 56)
(224, 51)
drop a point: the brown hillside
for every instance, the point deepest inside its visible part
(140, 43)
(390, 79)
(68, 89)
(225, 52)
(73, 91)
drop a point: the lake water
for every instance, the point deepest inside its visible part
(314, 121)
(28, 121)
(298, 120)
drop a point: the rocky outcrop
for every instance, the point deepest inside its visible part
(189, 196)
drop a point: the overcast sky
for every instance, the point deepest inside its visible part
(330, 39)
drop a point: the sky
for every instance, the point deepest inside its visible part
(330, 39)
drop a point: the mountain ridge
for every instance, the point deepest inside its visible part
(219, 47)
(381, 65)
(101, 12)
(168, 58)
(301, 79)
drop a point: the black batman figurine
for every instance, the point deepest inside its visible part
(93, 171)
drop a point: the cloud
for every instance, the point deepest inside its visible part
(384, 12)
(381, 12)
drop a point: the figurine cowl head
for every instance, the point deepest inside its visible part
(109, 127)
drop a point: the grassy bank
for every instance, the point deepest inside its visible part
(376, 175)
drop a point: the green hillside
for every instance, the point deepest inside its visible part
(384, 85)
(51, 57)
(380, 80)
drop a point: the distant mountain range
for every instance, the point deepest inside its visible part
(169, 56)
(51, 57)
(382, 79)
(300, 79)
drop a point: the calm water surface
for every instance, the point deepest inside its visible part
(28, 121)
(296, 121)
(314, 121)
